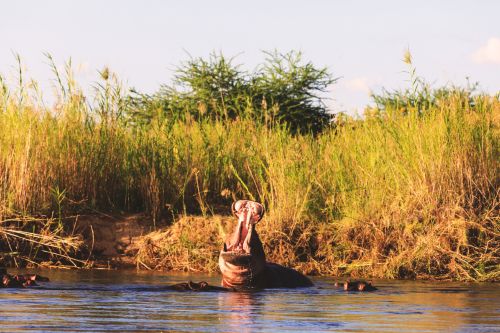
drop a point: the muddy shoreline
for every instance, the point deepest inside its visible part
(124, 241)
(113, 241)
(184, 244)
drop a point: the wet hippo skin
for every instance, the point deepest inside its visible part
(19, 281)
(355, 286)
(195, 286)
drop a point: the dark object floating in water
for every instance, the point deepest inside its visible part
(196, 286)
(20, 281)
(356, 286)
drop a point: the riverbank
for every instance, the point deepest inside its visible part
(409, 190)
(192, 244)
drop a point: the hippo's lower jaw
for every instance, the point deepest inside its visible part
(241, 270)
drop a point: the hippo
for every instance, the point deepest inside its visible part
(20, 281)
(356, 286)
(195, 286)
(242, 260)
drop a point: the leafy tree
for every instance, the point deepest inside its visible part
(294, 89)
(283, 90)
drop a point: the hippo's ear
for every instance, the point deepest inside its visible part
(233, 208)
(236, 206)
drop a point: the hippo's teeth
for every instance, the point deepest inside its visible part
(248, 218)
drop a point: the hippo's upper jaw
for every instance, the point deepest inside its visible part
(242, 258)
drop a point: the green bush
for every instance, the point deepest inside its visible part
(283, 90)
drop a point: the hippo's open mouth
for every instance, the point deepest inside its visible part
(238, 248)
(238, 251)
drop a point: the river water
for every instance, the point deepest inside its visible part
(130, 301)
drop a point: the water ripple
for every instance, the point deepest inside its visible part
(134, 302)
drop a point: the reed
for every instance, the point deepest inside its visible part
(408, 190)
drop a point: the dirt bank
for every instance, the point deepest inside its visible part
(192, 243)
(188, 243)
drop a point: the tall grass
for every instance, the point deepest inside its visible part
(402, 192)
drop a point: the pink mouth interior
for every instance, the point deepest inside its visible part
(249, 213)
(237, 244)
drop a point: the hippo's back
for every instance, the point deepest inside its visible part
(277, 276)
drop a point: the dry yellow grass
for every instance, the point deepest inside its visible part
(403, 192)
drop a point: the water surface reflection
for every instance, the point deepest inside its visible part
(129, 301)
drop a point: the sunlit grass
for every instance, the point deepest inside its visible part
(403, 192)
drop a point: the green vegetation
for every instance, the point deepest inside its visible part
(409, 190)
(283, 90)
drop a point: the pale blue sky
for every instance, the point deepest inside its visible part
(360, 41)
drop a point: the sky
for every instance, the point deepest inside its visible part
(360, 42)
